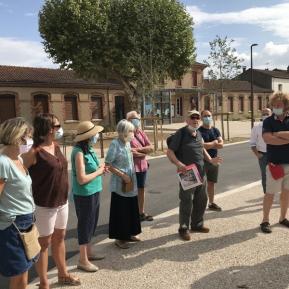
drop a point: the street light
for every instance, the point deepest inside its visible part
(252, 99)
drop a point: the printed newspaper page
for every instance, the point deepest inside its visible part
(191, 178)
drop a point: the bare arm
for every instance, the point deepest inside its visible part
(214, 161)
(136, 153)
(146, 149)
(215, 144)
(254, 149)
(220, 143)
(2, 185)
(271, 139)
(81, 176)
(282, 134)
(172, 157)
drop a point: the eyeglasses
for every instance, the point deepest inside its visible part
(57, 126)
(194, 117)
(207, 116)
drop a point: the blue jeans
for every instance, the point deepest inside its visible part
(263, 161)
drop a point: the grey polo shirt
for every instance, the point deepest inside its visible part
(188, 148)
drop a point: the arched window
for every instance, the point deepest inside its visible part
(96, 107)
(71, 109)
(41, 104)
(7, 107)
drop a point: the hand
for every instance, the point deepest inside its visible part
(181, 168)
(216, 161)
(126, 178)
(134, 150)
(101, 169)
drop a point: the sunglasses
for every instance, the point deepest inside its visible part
(57, 126)
(194, 117)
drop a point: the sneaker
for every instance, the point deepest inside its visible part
(214, 207)
(200, 230)
(121, 244)
(184, 234)
(144, 217)
(89, 267)
(265, 227)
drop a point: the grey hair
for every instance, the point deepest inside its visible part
(123, 127)
(132, 114)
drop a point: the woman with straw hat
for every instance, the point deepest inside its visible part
(86, 186)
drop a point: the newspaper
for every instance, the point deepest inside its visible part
(191, 178)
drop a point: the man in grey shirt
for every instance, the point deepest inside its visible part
(186, 148)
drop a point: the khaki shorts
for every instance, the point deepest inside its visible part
(48, 219)
(212, 172)
(276, 186)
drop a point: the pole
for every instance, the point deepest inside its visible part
(252, 93)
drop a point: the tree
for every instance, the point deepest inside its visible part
(223, 64)
(222, 61)
(139, 42)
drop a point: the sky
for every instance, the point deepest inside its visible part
(264, 22)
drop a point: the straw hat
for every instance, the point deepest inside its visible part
(86, 130)
(193, 112)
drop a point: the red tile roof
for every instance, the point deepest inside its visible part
(31, 76)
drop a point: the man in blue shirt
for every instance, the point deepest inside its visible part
(212, 142)
(276, 136)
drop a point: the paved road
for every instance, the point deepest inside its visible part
(239, 168)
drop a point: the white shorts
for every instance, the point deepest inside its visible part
(275, 186)
(48, 219)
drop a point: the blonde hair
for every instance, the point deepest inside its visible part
(12, 130)
(123, 127)
(279, 96)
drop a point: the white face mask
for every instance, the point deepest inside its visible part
(192, 128)
(59, 133)
(94, 139)
(24, 148)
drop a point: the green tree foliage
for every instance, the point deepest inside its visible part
(139, 42)
(222, 61)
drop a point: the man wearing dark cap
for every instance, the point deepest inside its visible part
(185, 148)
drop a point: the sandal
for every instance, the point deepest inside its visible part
(145, 217)
(69, 280)
(284, 222)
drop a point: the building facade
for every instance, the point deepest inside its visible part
(26, 91)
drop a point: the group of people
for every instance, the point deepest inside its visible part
(34, 183)
(34, 190)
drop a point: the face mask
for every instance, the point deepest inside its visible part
(192, 128)
(135, 122)
(59, 133)
(94, 139)
(207, 120)
(278, 111)
(24, 148)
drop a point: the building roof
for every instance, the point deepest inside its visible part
(233, 85)
(276, 73)
(47, 77)
(199, 64)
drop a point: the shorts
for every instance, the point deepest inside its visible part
(48, 219)
(13, 260)
(211, 172)
(276, 186)
(141, 179)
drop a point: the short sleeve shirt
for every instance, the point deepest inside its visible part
(277, 154)
(209, 135)
(140, 140)
(16, 198)
(119, 156)
(91, 163)
(188, 148)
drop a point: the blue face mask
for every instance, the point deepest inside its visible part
(207, 120)
(135, 122)
(278, 111)
(94, 139)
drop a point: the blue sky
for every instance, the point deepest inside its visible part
(246, 21)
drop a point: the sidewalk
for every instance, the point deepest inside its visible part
(235, 254)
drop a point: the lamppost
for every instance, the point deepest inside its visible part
(252, 94)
